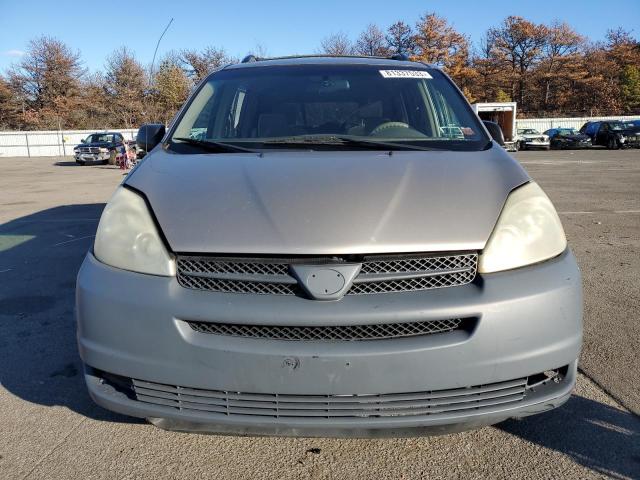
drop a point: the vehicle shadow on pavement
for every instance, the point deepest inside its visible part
(67, 164)
(600, 437)
(40, 255)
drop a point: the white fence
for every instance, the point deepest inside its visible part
(47, 143)
(542, 124)
(61, 143)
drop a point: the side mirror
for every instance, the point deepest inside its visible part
(84, 140)
(150, 135)
(495, 131)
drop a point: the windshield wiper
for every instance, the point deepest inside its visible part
(215, 147)
(340, 140)
(382, 145)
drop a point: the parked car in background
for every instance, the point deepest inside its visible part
(328, 246)
(101, 148)
(530, 138)
(613, 134)
(567, 138)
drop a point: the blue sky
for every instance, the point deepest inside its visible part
(282, 27)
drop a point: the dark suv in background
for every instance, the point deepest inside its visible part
(99, 148)
(612, 134)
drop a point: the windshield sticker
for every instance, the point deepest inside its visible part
(405, 74)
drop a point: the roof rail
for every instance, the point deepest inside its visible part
(399, 56)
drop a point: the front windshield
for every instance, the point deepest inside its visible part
(331, 105)
(528, 131)
(567, 131)
(99, 138)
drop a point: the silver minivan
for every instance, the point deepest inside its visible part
(328, 246)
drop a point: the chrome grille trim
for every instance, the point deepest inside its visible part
(334, 332)
(89, 149)
(360, 406)
(378, 274)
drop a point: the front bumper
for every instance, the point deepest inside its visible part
(528, 321)
(91, 157)
(537, 144)
(628, 143)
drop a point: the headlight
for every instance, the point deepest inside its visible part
(528, 231)
(127, 238)
(104, 150)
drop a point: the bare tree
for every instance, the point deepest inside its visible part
(9, 107)
(125, 87)
(559, 58)
(518, 44)
(437, 42)
(488, 69)
(400, 39)
(94, 111)
(336, 44)
(47, 81)
(259, 50)
(171, 89)
(198, 64)
(371, 42)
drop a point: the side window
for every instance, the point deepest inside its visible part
(201, 124)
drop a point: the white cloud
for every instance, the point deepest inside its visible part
(14, 53)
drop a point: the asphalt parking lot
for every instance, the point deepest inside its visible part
(49, 428)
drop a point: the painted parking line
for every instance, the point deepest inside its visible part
(586, 212)
(73, 240)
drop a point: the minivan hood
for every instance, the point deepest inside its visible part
(339, 203)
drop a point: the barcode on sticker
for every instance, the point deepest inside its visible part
(405, 74)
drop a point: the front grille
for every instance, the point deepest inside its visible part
(334, 332)
(89, 150)
(378, 273)
(358, 406)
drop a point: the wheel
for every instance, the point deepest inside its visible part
(80, 162)
(112, 157)
(522, 145)
(105, 162)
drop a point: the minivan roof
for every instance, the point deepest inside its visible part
(326, 59)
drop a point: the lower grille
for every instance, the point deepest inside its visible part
(425, 403)
(334, 332)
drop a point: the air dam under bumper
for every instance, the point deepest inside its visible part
(132, 325)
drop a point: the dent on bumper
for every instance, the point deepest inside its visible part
(529, 321)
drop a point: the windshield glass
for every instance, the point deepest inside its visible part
(347, 106)
(99, 137)
(620, 125)
(528, 131)
(567, 131)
